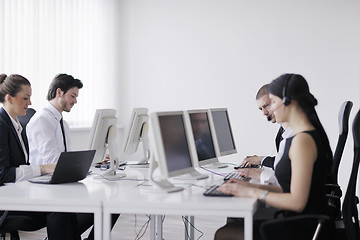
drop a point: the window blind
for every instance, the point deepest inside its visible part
(41, 38)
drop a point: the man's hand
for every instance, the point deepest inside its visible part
(47, 168)
(255, 160)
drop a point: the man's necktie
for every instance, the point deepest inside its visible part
(63, 132)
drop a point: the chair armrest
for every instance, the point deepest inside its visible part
(333, 189)
(334, 205)
(287, 228)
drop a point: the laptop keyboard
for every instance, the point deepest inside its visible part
(236, 175)
(213, 192)
(41, 179)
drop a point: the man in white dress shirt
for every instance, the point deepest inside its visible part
(48, 138)
(44, 131)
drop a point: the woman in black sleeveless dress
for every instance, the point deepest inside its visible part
(303, 169)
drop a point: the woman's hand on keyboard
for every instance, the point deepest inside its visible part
(238, 188)
(253, 173)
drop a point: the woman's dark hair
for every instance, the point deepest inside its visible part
(11, 85)
(64, 82)
(295, 87)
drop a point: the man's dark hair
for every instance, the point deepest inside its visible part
(64, 82)
(262, 91)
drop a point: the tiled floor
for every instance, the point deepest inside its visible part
(130, 227)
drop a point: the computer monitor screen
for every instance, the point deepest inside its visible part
(103, 120)
(225, 143)
(137, 132)
(203, 137)
(174, 157)
(175, 142)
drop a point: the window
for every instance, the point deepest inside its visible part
(41, 38)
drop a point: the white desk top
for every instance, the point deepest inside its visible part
(191, 200)
(82, 196)
(147, 199)
(125, 196)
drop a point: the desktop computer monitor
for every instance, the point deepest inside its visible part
(102, 138)
(137, 133)
(220, 124)
(202, 138)
(172, 155)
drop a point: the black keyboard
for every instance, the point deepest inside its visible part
(236, 175)
(211, 191)
(248, 166)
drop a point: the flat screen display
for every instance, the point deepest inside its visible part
(175, 143)
(202, 135)
(223, 131)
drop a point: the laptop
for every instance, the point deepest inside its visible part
(71, 167)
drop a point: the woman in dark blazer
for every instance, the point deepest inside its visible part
(11, 154)
(15, 93)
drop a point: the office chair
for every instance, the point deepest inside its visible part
(12, 223)
(349, 208)
(333, 189)
(25, 119)
(302, 227)
(343, 119)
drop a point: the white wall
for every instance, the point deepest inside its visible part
(186, 54)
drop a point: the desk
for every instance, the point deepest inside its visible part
(189, 202)
(86, 196)
(72, 197)
(103, 198)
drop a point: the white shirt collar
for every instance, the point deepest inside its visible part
(16, 123)
(287, 133)
(54, 111)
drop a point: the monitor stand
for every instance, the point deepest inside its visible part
(111, 174)
(163, 184)
(216, 165)
(194, 175)
(145, 162)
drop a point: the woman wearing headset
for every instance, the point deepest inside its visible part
(303, 169)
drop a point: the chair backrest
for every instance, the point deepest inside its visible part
(343, 119)
(349, 208)
(25, 119)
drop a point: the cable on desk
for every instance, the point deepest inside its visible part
(141, 184)
(213, 172)
(229, 163)
(135, 179)
(185, 220)
(122, 179)
(195, 185)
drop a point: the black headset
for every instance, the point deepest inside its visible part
(286, 99)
